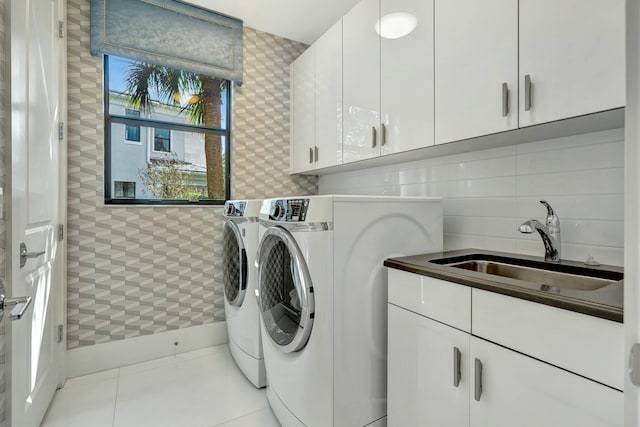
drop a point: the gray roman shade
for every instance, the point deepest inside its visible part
(169, 33)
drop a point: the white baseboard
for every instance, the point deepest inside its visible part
(115, 354)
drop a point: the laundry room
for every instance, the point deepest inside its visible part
(324, 213)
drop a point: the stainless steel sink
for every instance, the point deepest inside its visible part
(603, 285)
(548, 280)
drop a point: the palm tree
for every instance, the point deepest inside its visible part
(143, 80)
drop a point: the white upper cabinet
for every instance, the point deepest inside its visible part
(476, 68)
(399, 75)
(361, 78)
(406, 68)
(303, 111)
(574, 54)
(328, 66)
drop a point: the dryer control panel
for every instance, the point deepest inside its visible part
(234, 209)
(289, 210)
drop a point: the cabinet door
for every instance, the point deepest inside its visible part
(361, 73)
(303, 111)
(476, 68)
(520, 391)
(422, 366)
(329, 97)
(574, 54)
(406, 68)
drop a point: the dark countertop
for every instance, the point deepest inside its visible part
(605, 303)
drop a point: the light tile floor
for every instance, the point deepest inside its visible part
(202, 388)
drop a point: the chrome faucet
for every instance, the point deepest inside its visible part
(550, 233)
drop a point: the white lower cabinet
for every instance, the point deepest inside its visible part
(428, 376)
(517, 390)
(439, 376)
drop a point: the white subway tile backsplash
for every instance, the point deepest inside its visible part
(414, 176)
(599, 181)
(487, 168)
(481, 226)
(499, 207)
(586, 206)
(603, 254)
(487, 187)
(487, 194)
(597, 233)
(463, 241)
(415, 190)
(596, 156)
(492, 153)
(572, 141)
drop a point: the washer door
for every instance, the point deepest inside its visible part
(285, 292)
(234, 264)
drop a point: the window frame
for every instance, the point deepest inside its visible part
(110, 119)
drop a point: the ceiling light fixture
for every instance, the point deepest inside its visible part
(396, 25)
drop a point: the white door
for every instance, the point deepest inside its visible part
(361, 82)
(511, 389)
(428, 372)
(406, 94)
(574, 54)
(632, 214)
(36, 206)
(476, 68)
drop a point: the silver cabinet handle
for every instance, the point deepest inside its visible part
(315, 152)
(383, 134)
(505, 100)
(24, 254)
(457, 372)
(374, 137)
(19, 304)
(478, 380)
(310, 155)
(527, 92)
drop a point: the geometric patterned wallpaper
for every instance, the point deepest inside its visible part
(261, 121)
(137, 270)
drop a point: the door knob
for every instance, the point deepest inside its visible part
(18, 305)
(24, 254)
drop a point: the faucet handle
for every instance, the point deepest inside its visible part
(549, 208)
(552, 218)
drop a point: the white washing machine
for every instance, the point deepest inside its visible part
(240, 275)
(322, 292)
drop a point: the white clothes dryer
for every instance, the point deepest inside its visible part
(322, 292)
(240, 243)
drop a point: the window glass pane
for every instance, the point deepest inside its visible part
(132, 133)
(183, 172)
(165, 95)
(124, 190)
(177, 149)
(162, 140)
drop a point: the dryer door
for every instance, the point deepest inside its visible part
(234, 264)
(285, 292)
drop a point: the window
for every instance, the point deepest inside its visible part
(180, 123)
(132, 133)
(124, 190)
(162, 140)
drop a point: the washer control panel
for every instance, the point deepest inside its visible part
(234, 209)
(289, 210)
